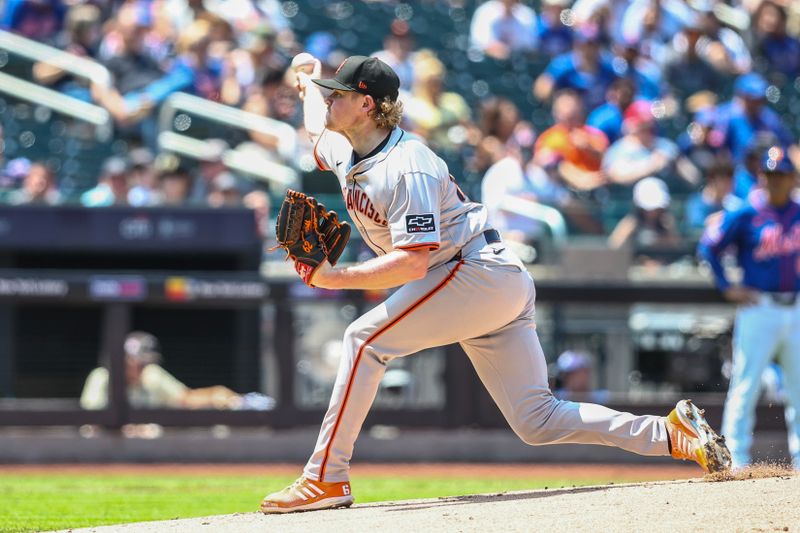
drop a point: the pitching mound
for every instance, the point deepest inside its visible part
(760, 499)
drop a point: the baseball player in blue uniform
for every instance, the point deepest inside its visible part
(766, 236)
(458, 282)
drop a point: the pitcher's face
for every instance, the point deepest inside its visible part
(345, 109)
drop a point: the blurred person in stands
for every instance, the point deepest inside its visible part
(715, 196)
(570, 145)
(193, 65)
(210, 165)
(747, 114)
(174, 182)
(720, 45)
(431, 110)
(502, 27)
(144, 178)
(653, 23)
(699, 146)
(40, 20)
(505, 179)
(586, 70)
(640, 152)
(38, 187)
(607, 15)
(774, 50)
(650, 225)
(555, 37)
(263, 55)
(80, 37)
(273, 97)
(574, 378)
(745, 175)
(149, 385)
(687, 71)
(244, 15)
(608, 117)
(113, 186)
(646, 74)
(224, 192)
(140, 81)
(499, 117)
(398, 52)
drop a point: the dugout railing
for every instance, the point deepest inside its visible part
(466, 403)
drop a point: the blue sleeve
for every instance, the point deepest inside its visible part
(12, 7)
(779, 128)
(181, 77)
(720, 233)
(559, 67)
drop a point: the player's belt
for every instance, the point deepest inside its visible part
(491, 235)
(781, 298)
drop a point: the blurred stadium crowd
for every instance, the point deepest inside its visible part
(629, 120)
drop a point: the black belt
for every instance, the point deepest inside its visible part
(782, 298)
(491, 235)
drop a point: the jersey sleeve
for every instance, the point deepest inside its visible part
(414, 213)
(330, 148)
(721, 231)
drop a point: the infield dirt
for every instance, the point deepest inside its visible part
(760, 499)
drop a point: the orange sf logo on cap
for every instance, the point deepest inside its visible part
(362, 85)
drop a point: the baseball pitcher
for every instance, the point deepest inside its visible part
(458, 280)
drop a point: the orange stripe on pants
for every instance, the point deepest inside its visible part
(371, 338)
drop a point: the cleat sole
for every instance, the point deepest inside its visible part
(718, 457)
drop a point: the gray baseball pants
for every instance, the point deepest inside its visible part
(485, 302)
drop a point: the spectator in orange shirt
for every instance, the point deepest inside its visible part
(575, 148)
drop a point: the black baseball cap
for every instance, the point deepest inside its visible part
(365, 75)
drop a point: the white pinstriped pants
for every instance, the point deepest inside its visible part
(485, 302)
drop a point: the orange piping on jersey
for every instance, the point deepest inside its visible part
(320, 164)
(371, 338)
(419, 246)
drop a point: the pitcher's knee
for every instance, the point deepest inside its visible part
(531, 425)
(355, 335)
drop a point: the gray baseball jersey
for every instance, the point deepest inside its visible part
(402, 197)
(476, 293)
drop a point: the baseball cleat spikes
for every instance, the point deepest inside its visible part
(693, 438)
(308, 495)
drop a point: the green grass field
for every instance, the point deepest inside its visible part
(40, 502)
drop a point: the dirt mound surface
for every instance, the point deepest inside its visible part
(760, 499)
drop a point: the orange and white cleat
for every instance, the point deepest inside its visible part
(308, 495)
(692, 438)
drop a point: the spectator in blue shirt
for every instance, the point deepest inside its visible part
(555, 38)
(740, 119)
(608, 117)
(40, 20)
(644, 72)
(585, 70)
(773, 49)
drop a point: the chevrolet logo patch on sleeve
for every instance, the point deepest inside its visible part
(420, 223)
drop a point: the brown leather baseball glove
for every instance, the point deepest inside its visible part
(309, 233)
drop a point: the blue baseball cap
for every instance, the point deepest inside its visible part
(751, 86)
(776, 159)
